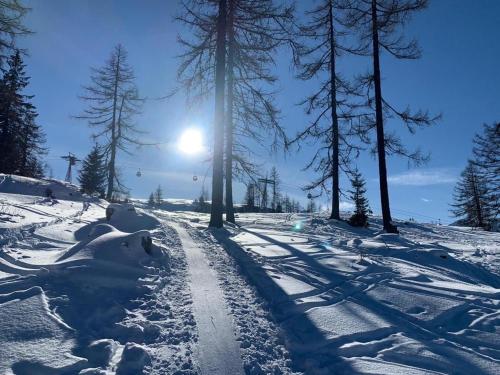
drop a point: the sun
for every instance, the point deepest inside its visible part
(191, 142)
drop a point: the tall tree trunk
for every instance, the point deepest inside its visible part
(229, 112)
(477, 201)
(382, 168)
(218, 156)
(335, 123)
(111, 166)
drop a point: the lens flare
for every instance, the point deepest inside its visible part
(191, 142)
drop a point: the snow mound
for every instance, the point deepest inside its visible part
(108, 244)
(128, 219)
(13, 184)
(34, 340)
(134, 358)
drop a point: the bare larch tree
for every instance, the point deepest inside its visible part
(324, 41)
(249, 34)
(12, 13)
(256, 29)
(378, 24)
(113, 102)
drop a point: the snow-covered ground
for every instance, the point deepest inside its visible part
(276, 294)
(359, 301)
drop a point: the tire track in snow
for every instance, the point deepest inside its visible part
(218, 349)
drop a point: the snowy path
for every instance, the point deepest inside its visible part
(218, 348)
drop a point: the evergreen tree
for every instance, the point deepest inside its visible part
(113, 102)
(471, 199)
(21, 138)
(158, 195)
(93, 175)
(486, 151)
(250, 197)
(360, 216)
(151, 200)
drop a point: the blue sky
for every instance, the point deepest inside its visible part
(457, 76)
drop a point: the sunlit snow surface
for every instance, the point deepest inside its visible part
(79, 294)
(359, 301)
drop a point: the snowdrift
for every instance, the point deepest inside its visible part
(68, 284)
(108, 244)
(33, 339)
(13, 184)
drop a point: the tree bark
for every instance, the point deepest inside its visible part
(218, 155)
(382, 168)
(477, 201)
(229, 111)
(111, 170)
(335, 123)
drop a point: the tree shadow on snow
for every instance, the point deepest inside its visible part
(350, 291)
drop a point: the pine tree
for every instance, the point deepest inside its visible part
(360, 216)
(21, 138)
(378, 23)
(151, 200)
(158, 195)
(471, 196)
(486, 151)
(113, 102)
(250, 197)
(93, 175)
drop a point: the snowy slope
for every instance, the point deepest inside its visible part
(82, 295)
(360, 301)
(291, 294)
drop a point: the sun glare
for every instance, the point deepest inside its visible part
(191, 141)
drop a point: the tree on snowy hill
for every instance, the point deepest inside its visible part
(151, 200)
(243, 36)
(203, 66)
(379, 24)
(12, 13)
(360, 216)
(21, 138)
(471, 199)
(331, 103)
(276, 198)
(486, 151)
(93, 175)
(113, 101)
(158, 195)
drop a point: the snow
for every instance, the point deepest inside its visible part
(155, 292)
(360, 301)
(33, 339)
(218, 350)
